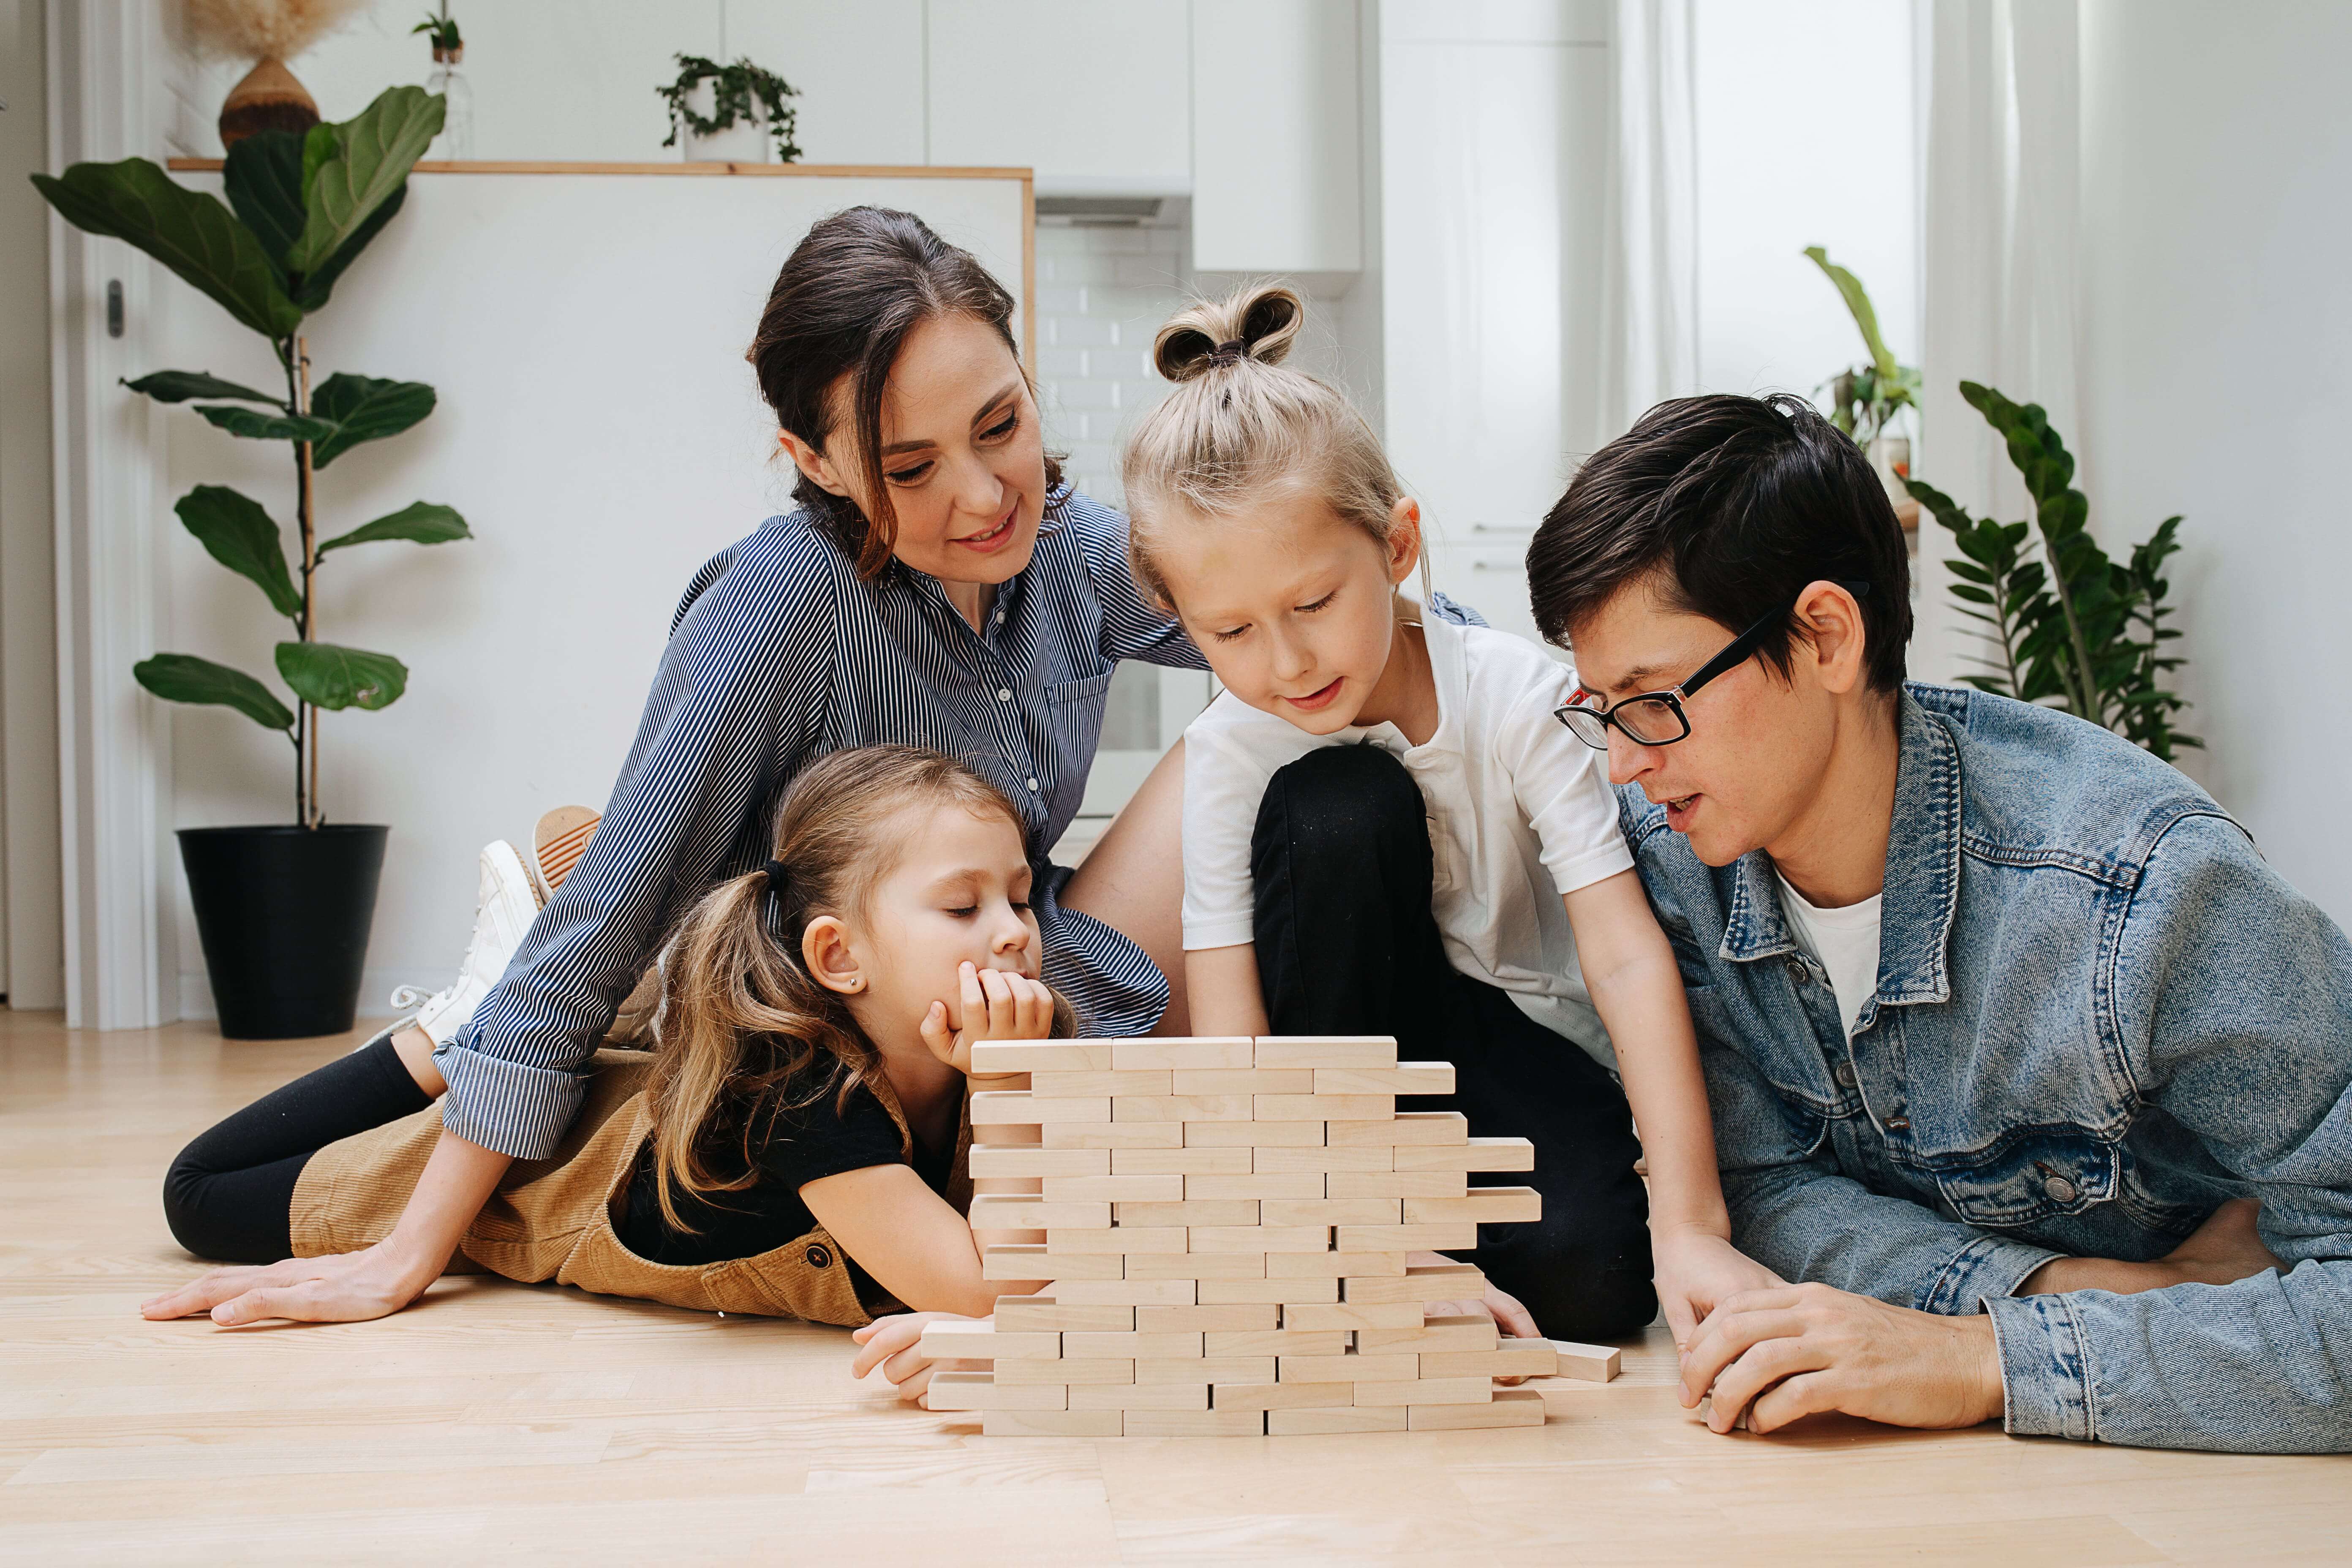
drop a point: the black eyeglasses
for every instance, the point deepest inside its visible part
(1656, 717)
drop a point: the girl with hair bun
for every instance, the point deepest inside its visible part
(1386, 832)
(794, 1145)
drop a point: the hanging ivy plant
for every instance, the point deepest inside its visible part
(735, 89)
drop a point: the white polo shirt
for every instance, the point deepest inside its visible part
(1520, 813)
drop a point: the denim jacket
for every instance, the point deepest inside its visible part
(2098, 1015)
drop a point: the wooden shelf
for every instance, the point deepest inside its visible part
(803, 171)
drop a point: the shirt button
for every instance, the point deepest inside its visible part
(818, 1258)
(1033, 786)
(1845, 1074)
(1003, 694)
(2060, 1190)
(1000, 618)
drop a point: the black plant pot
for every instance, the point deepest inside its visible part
(284, 913)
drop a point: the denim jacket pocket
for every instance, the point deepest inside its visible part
(1727, 1012)
(2034, 1176)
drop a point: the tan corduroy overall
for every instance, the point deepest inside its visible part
(552, 1219)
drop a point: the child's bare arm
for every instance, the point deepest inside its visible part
(1222, 985)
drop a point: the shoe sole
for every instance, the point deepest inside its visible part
(557, 844)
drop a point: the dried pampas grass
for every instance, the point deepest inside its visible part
(261, 29)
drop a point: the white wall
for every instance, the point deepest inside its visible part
(2217, 325)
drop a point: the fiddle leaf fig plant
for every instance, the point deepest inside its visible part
(300, 209)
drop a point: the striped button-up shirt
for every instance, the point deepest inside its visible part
(779, 655)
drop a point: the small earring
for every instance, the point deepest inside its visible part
(857, 985)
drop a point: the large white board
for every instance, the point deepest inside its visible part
(598, 427)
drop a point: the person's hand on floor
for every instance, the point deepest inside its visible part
(1696, 1271)
(340, 1287)
(1514, 1319)
(1798, 1350)
(996, 1006)
(895, 1344)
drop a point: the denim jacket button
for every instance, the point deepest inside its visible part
(1898, 1124)
(2059, 1189)
(1797, 970)
(1845, 1074)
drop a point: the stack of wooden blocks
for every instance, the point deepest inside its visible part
(1227, 1225)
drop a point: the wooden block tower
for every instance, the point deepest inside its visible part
(1226, 1226)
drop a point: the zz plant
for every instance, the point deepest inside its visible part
(2074, 628)
(300, 208)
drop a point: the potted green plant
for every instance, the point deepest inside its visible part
(1866, 399)
(283, 911)
(2072, 629)
(729, 113)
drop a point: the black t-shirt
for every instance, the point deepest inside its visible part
(802, 1145)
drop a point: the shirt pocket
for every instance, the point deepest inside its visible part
(1075, 711)
(2036, 1176)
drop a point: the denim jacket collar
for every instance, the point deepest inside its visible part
(1923, 874)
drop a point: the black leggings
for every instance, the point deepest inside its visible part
(230, 1193)
(1347, 945)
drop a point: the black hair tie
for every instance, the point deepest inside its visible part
(778, 875)
(1233, 351)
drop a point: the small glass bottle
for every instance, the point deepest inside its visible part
(456, 139)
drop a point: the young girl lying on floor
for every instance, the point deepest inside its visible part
(795, 1145)
(1386, 832)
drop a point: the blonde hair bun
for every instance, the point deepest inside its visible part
(1258, 321)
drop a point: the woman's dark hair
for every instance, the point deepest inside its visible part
(850, 292)
(1730, 506)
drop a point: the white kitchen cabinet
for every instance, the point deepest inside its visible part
(1095, 95)
(1276, 137)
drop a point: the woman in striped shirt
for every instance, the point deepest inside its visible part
(940, 587)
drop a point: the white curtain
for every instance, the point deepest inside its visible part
(2000, 248)
(1649, 290)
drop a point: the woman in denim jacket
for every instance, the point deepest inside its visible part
(2018, 1054)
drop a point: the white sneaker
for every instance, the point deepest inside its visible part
(503, 910)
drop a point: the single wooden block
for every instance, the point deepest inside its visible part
(1326, 1107)
(1256, 1238)
(991, 1106)
(980, 1391)
(1006, 1213)
(1047, 1314)
(1085, 1084)
(1135, 1293)
(1008, 1186)
(1510, 1407)
(1393, 1367)
(1483, 1205)
(1296, 1314)
(1180, 1107)
(1279, 1341)
(1405, 1078)
(1380, 1183)
(1476, 1154)
(1195, 1424)
(1510, 1358)
(1280, 1395)
(1229, 1292)
(1207, 1369)
(1130, 1238)
(1410, 1128)
(1588, 1364)
(1328, 1211)
(990, 1057)
(1132, 1346)
(1220, 1212)
(1243, 1080)
(1323, 1157)
(1457, 1236)
(1331, 1265)
(977, 1339)
(1069, 1374)
(1241, 1317)
(1420, 1391)
(1114, 1135)
(1250, 1134)
(1051, 1424)
(989, 1160)
(1008, 1134)
(1031, 1261)
(1141, 1396)
(1428, 1282)
(1196, 1266)
(1323, 1423)
(1179, 1161)
(1326, 1051)
(1466, 1331)
(1112, 1189)
(1291, 1184)
(1183, 1054)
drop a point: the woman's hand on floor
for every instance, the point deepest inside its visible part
(996, 1007)
(895, 1344)
(341, 1288)
(1695, 1271)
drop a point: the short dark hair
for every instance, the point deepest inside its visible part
(1733, 504)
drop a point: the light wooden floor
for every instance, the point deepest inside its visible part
(501, 1421)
